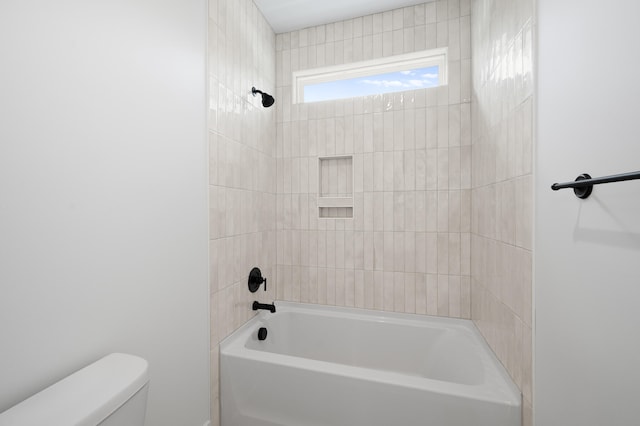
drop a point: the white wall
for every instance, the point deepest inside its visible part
(587, 253)
(103, 196)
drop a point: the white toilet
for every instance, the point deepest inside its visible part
(110, 392)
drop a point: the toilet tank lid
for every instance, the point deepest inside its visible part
(86, 397)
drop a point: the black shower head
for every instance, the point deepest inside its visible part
(267, 99)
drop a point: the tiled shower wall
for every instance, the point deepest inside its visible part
(407, 247)
(502, 210)
(242, 167)
(427, 235)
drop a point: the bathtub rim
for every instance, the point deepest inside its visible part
(508, 393)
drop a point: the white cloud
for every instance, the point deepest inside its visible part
(410, 80)
(384, 83)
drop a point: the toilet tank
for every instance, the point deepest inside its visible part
(111, 391)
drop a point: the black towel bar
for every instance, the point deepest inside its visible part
(583, 185)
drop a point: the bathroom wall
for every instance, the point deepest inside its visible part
(502, 194)
(103, 196)
(242, 176)
(407, 247)
(587, 251)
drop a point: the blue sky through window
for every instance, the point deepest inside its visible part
(421, 78)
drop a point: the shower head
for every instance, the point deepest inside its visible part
(267, 99)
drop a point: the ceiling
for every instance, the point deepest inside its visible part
(290, 15)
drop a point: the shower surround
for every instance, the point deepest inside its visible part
(438, 227)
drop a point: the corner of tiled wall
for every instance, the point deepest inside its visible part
(242, 166)
(502, 190)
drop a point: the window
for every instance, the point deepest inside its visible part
(419, 70)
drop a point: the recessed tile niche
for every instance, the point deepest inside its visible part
(335, 187)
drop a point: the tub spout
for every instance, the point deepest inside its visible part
(269, 307)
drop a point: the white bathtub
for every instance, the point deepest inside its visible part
(338, 366)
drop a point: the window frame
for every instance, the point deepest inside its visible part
(409, 61)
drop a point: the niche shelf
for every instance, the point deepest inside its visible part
(335, 187)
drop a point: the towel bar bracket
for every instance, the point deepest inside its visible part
(583, 185)
(585, 191)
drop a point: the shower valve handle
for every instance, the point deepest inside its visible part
(255, 279)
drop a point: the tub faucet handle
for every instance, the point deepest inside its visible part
(255, 279)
